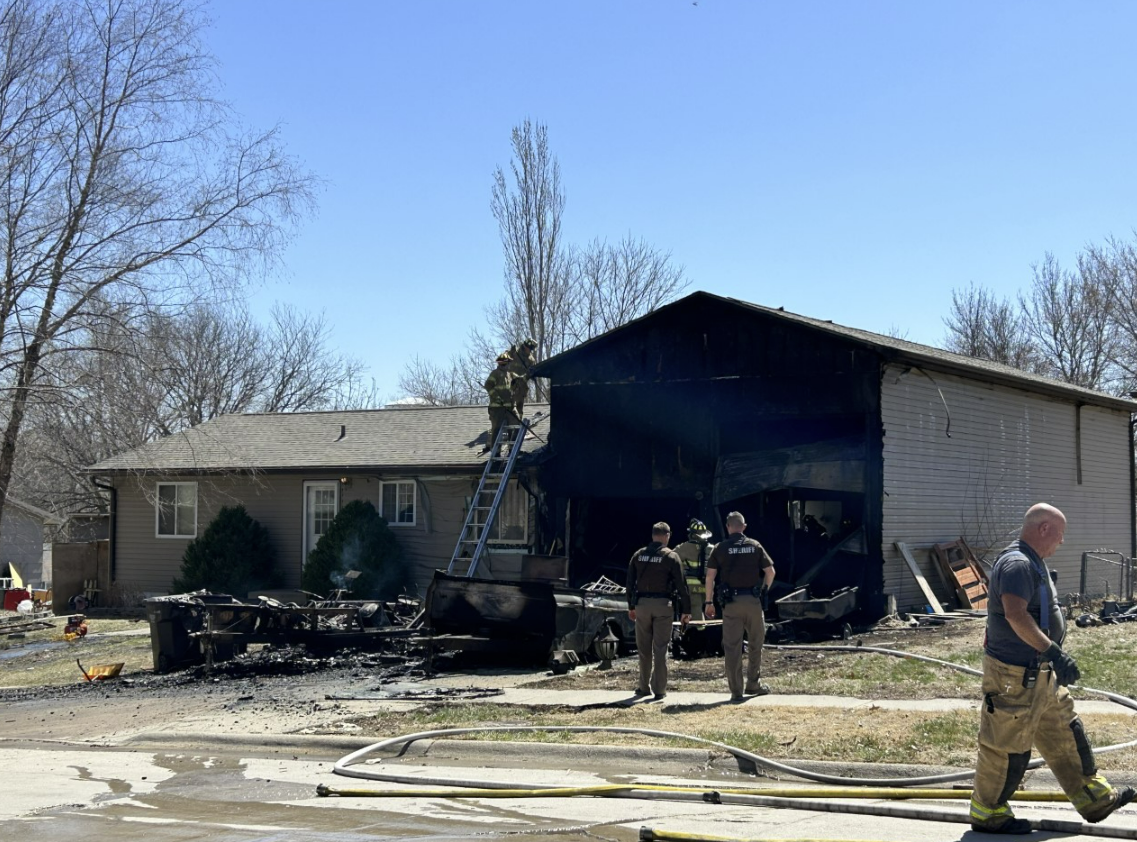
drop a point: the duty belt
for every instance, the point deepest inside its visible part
(733, 592)
(653, 596)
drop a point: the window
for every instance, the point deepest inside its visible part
(321, 503)
(176, 510)
(397, 502)
(512, 523)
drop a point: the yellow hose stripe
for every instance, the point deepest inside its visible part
(603, 789)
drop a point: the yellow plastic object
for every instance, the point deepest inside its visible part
(100, 672)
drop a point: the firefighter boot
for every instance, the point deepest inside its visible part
(1098, 799)
(996, 820)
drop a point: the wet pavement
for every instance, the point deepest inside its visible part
(186, 756)
(241, 794)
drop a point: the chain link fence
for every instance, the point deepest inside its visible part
(1106, 575)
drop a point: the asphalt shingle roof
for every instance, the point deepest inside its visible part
(404, 437)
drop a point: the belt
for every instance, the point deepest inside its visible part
(653, 596)
(743, 591)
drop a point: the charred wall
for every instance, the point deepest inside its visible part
(648, 419)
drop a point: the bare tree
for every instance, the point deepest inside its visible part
(1112, 267)
(425, 382)
(555, 295)
(528, 209)
(120, 177)
(1070, 314)
(615, 284)
(980, 325)
(140, 379)
(303, 373)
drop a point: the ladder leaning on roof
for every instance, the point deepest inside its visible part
(480, 518)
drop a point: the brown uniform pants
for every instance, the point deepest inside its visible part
(743, 616)
(653, 636)
(1013, 718)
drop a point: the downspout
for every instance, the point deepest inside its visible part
(111, 527)
(1132, 495)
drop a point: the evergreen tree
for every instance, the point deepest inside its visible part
(357, 539)
(234, 555)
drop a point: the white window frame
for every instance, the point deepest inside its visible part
(177, 536)
(309, 484)
(391, 521)
(513, 488)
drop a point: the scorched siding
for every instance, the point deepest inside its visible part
(1007, 449)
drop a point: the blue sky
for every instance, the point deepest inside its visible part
(852, 161)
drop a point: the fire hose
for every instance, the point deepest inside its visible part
(874, 787)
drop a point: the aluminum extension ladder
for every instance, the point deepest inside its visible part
(480, 518)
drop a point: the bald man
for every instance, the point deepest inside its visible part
(1025, 700)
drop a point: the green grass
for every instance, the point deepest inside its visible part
(865, 733)
(56, 665)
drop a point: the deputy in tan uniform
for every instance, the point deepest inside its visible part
(654, 575)
(499, 387)
(745, 573)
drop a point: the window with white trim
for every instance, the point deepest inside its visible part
(397, 502)
(511, 526)
(175, 510)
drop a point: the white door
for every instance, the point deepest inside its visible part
(321, 502)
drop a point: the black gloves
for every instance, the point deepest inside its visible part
(1065, 668)
(764, 597)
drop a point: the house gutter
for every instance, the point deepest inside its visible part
(1132, 494)
(112, 526)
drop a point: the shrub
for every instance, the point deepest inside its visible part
(358, 538)
(234, 555)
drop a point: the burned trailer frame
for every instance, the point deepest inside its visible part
(529, 621)
(704, 407)
(204, 628)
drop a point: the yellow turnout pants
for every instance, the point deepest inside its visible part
(1015, 718)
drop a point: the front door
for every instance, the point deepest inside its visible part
(321, 502)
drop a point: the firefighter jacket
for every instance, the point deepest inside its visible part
(519, 365)
(694, 555)
(499, 387)
(656, 571)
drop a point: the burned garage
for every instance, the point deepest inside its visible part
(835, 443)
(858, 460)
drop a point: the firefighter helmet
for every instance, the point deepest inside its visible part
(697, 530)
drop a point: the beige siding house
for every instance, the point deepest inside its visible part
(966, 458)
(292, 472)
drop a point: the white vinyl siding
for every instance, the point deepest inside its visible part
(175, 510)
(397, 502)
(1007, 450)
